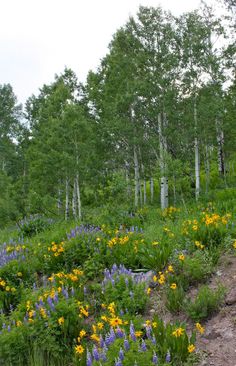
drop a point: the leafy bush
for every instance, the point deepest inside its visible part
(33, 225)
(206, 303)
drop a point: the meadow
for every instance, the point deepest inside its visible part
(79, 293)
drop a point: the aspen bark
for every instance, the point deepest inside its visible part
(196, 152)
(136, 178)
(67, 200)
(151, 189)
(74, 200)
(163, 150)
(78, 196)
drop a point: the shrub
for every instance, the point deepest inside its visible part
(206, 303)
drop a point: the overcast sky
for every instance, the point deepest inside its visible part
(38, 38)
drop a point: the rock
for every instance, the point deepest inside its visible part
(231, 297)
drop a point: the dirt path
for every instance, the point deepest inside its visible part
(217, 347)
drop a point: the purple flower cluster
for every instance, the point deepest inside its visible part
(83, 229)
(7, 256)
(99, 353)
(114, 275)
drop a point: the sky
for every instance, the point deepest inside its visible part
(39, 38)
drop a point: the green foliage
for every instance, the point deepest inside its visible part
(174, 298)
(33, 225)
(206, 302)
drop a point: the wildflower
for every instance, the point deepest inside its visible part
(121, 354)
(148, 291)
(138, 333)
(61, 320)
(114, 322)
(154, 324)
(143, 346)
(200, 328)
(191, 348)
(19, 274)
(234, 244)
(178, 332)
(170, 268)
(126, 345)
(94, 337)
(18, 323)
(82, 333)
(148, 323)
(95, 353)
(181, 257)
(154, 243)
(155, 358)
(173, 286)
(168, 357)
(79, 349)
(154, 278)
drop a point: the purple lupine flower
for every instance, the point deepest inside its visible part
(132, 332)
(155, 358)
(95, 353)
(120, 333)
(143, 346)
(9, 328)
(118, 362)
(101, 342)
(148, 332)
(89, 360)
(103, 356)
(121, 354)
(126, 344)
(168, 357)
(154, 341)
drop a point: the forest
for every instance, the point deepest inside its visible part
(118, 198)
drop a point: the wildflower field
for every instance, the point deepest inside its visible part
(79, 293)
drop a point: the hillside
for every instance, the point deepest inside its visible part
(142, 288)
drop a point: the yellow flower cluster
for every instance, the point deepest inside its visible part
(79, 349)
(178, 332)
(234, 244)
(118, 240)
(83, 310)
(4, 286)
(56, 249)
(170, 211)
(199, 244)
(200, 328)
(12, 248)
(74, 276)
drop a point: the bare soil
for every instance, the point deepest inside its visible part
(217, 346)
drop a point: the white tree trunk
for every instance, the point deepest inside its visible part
(74, 200)
(151, 189)
(67, 200)
(78, 196)
(127, 179)
(220, 148)
(196, 153)
(136, 178)
(207, 169)
(144, 192)
(59, 203)
(163, 150)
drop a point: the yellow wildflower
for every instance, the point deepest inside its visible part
(94, 337)
(61, 320)
(191, 348)
(138, 333)
(181, 257)
(82, 333)
(114, 322)
(200, 328)
(173, 286)
(178, 332)
(149, 291)
(79, 349)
